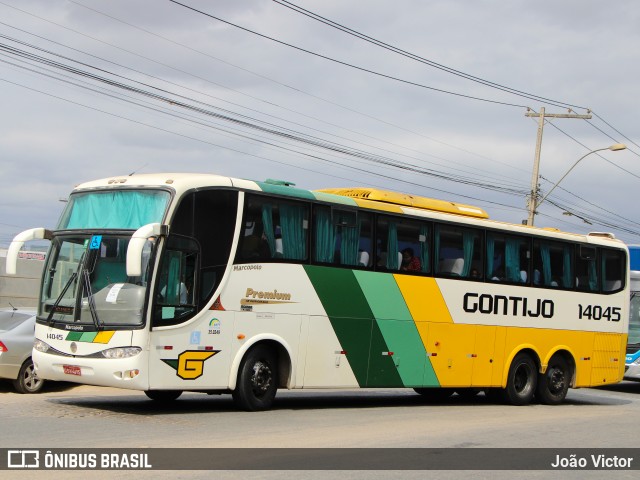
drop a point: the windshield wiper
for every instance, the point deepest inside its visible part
(54, 307)
(92, 304)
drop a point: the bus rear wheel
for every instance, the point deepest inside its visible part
(522, 380)
(257, 380)
(553, 385)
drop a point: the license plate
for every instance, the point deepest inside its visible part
(72, 370)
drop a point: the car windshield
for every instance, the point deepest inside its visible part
(11, 319)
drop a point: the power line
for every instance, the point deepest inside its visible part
(346, 64)
(247, 122)
(237, 91)
(418, 58)
(368, 172)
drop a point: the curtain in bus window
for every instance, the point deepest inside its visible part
(349, 238)
(424, 248)
(267, 223)
(392, 247)
(512, 259)
(436, 249)
(593, 275)
(173, 283)
(567, 274)
(467, 245)
(491, 244)
(546, 264)
(122, 209)
(325, 236)
(604, 274)
(294, 240)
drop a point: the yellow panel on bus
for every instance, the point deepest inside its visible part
(424, 203)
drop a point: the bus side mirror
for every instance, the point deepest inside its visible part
(18, 242)
(136, 244)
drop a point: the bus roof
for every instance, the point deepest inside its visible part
(407, 200)
(370, 198)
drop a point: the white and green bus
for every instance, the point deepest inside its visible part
(167, 283)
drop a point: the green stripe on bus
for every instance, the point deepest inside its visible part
(285, 190)
(88, 337)
(354, 324)
(398, 328)
(73, 336)
(329, 197)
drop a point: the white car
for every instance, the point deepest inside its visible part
(16, 342)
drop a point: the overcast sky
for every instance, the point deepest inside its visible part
(76, 79)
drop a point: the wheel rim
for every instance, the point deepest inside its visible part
(261, 379)
(30, 379)
(556, 380)
(522, 380)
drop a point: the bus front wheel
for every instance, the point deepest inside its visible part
(522, 380)
(554, 383)
(257, 380)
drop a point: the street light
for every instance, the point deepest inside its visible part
(614, 148)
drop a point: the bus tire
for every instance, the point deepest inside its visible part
(163, 395)
(257, 380)
(28, 381)
(435, 394)
(553, 385)
(522, 380)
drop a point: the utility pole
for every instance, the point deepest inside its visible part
(532, 201)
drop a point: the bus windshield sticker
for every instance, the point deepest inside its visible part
(96, 241)
(112, 296)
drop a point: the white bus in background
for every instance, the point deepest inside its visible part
(632, 361)
(167, 283)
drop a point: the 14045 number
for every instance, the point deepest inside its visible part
(596, 312)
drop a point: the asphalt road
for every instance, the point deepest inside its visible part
(67, 416)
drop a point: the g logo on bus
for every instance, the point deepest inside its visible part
(190, 364)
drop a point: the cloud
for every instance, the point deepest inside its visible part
(570, 51)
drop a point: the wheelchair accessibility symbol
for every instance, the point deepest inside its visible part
(96, 240)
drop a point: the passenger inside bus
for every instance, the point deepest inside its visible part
(410, 263)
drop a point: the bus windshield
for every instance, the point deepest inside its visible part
(114, 209)
(86, 282)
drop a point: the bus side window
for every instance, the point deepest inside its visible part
(273, 229)
(175, 301)
(587, 269)
(553, 264)
(342, 237)
(507, 258)
(613, 262)
(458, 251)
(403, 244)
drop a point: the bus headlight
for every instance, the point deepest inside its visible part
(121, 352)
(40, 346)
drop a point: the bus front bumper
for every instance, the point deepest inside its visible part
(129, 373)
